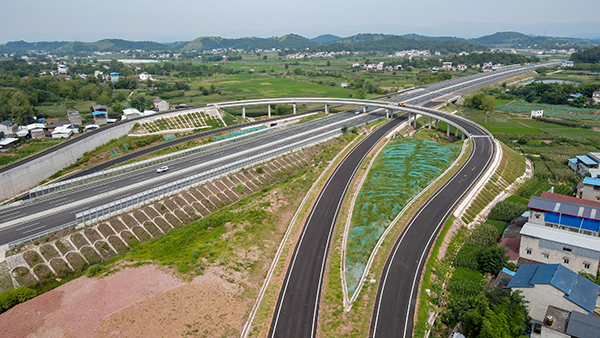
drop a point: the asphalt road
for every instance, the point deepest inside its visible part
(30, 218)
(296, 313)
(398, 289)
(297, 308)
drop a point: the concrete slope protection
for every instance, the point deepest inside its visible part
(297, 308)
(398, 289)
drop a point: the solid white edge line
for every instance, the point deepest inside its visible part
(384, 282)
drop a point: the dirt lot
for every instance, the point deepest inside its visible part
(145, 301)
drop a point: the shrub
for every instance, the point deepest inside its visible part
(483, 236)
(467, 257)
(505, 211)
(93, 270)
(15, 297)
(492, 260)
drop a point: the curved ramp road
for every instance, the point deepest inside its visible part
(398, 289)
(298, 305)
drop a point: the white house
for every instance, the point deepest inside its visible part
(537, 113)
(446, 65)
(596, 97)
(62, 69)
(344, 85)
(562, 230)
(462, 66)
(561, 303)
(145, 76)
(130, 113)
(160, 104)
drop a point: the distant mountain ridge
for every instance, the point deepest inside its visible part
(215, 42)
(516, 39)
(326, 42)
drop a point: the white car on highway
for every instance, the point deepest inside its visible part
(162, 169)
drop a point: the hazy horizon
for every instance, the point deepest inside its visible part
(184, 20)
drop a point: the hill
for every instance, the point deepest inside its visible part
(111, 45)
(432, 38)
(215, 42)
(392, 43)
(14, 46)
(516, 39)
(325, 38)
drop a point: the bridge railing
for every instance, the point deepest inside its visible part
(69, 184)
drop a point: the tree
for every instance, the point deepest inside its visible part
(344, 129)
(360, 93)
(488, 103)
(328, 63)
(286, 65)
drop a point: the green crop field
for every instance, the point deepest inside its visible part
(551, 110)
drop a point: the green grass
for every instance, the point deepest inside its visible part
(517, 199)
(500, 226)
(26, 149)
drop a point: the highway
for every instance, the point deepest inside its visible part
(296, 313)
(398, 289)
(41, 215)
(297, 307)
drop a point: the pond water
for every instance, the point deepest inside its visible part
(551, 81)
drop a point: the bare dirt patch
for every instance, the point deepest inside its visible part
(134, 302)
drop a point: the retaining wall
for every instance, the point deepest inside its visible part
(23, 177)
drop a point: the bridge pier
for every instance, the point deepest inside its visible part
(430, 123)
(415, 121)
(244, 112)
(463, 136)
(294, 108)
(326, 109)
(269, 110)
(455, 131)
(437, 124)
(364, 109)
(448, 130)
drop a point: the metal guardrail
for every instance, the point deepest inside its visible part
(40, 235)
(185, 183)
(128, 168)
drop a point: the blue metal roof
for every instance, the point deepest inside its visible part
(575, 287)
(592, 181)
(582, 325)
(100, 112)
(573, 160)
(586, 160)
(556, 210)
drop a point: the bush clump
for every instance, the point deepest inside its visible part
(15, 297)
(505, 211)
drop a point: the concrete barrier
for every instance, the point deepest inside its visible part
(21, 178)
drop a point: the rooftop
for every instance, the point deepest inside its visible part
(582, 325)
(591, 181)
(562, 236)
(157, 100)
(7, 141)
(586, 160)
(7, 123)
(560, 204)
(575, 287)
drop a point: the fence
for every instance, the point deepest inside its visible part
(128, 168)
(187, 182)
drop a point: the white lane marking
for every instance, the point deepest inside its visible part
(384, 283)
(34, 229)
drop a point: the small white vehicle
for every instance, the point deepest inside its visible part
(162, 169)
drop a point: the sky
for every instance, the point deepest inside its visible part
(185, 20)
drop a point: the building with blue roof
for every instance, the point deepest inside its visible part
(584, 164)
(546, 285)
(590, 190)
(562, 230)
